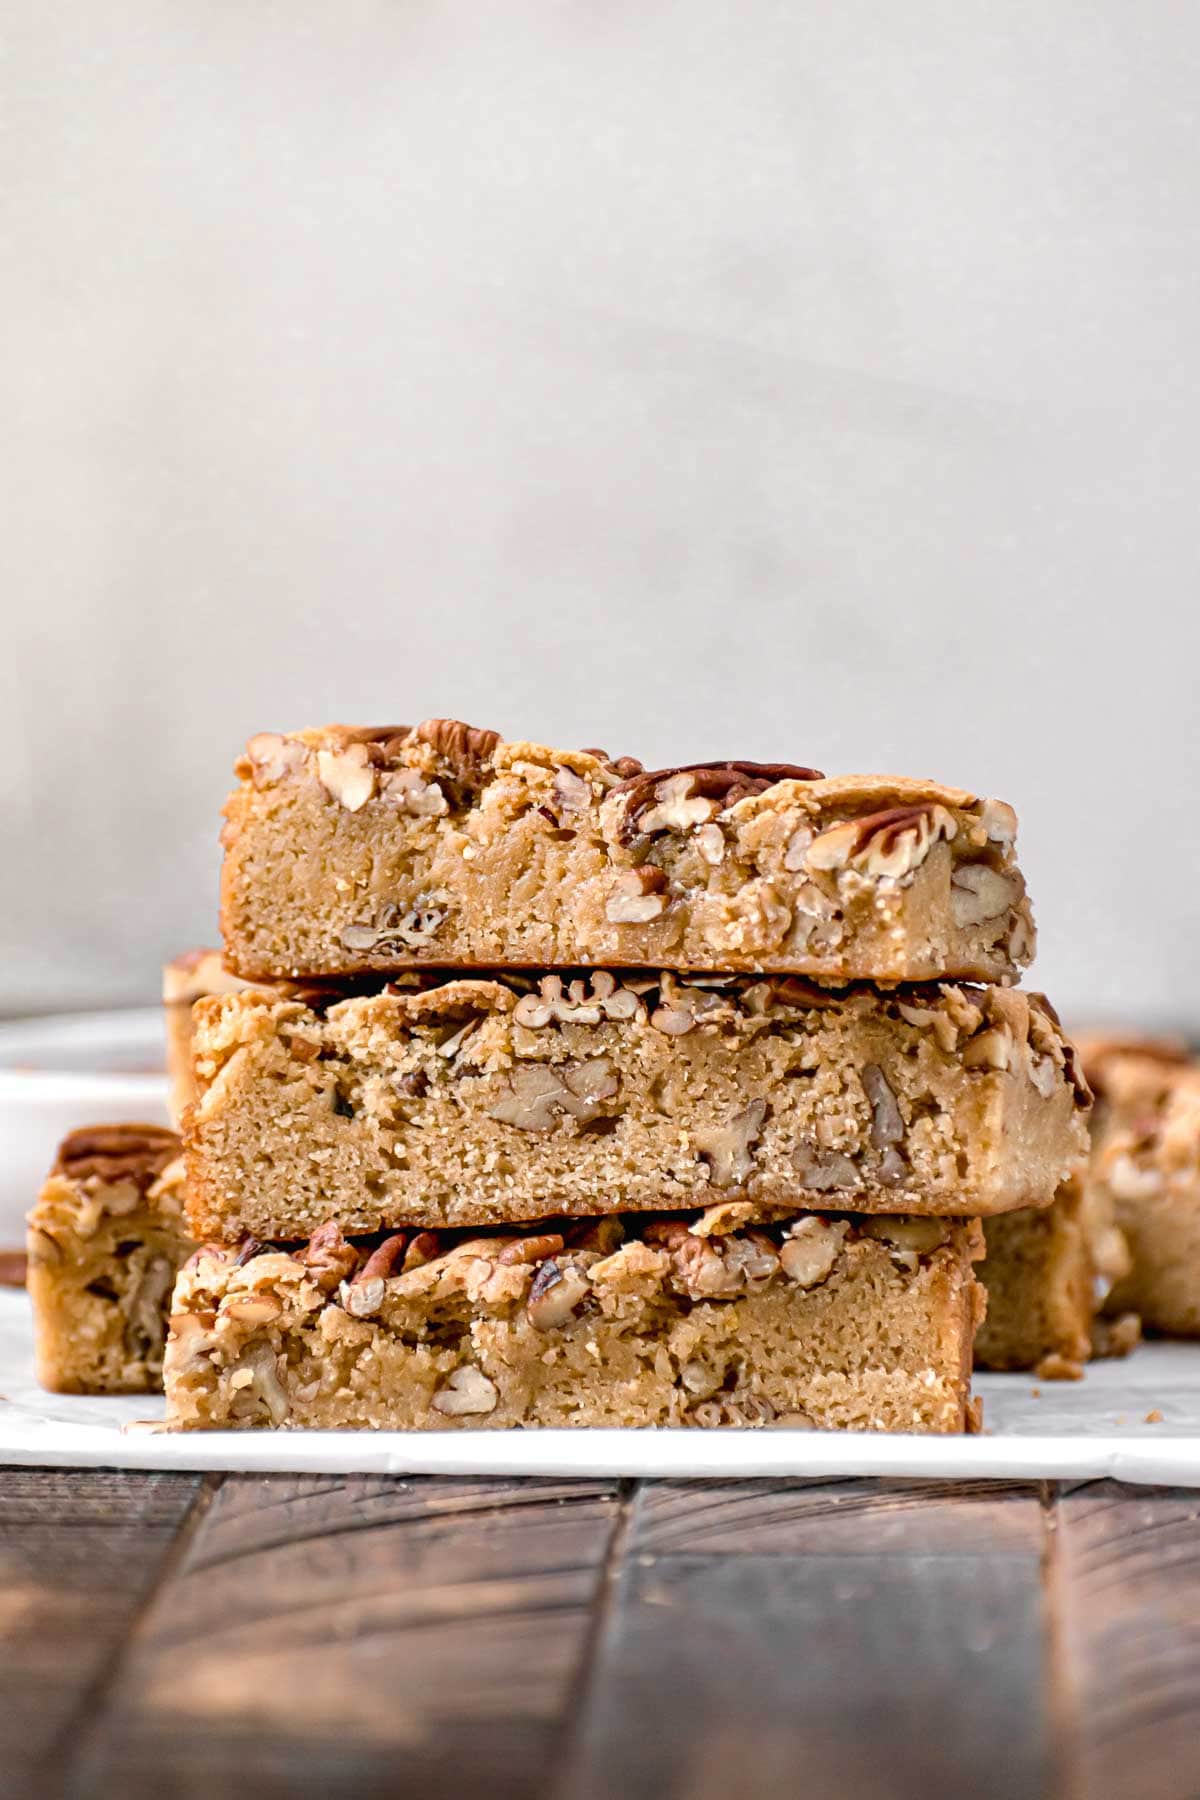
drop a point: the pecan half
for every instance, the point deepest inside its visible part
(112, 1153)
(531, 1249)
(383, 1259)
(680, 803)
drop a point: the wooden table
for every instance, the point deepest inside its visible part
(179, 1635)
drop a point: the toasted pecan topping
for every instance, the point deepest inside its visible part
(137, 1153)
(624, 766)
(465, 747)
(722, 782)
(885, 827)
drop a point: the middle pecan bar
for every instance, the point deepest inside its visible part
(476, 1102)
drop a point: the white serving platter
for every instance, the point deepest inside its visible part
(1032, 1431)
(68, 1070)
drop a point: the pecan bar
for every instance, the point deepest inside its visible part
(474, 1102)
(106, 1237)
(721, 1318)
(1046, 1273)
(382, 847)
(1144, 1174)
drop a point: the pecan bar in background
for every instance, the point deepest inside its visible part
(1144, 1174)
(106, 1237)
(186, 979)
(1046, 1273)
(725, 1318)
(350, 849)
(474, 1102)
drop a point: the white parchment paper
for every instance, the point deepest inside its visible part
(1097, 1426)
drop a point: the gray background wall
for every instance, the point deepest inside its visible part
(788, 381)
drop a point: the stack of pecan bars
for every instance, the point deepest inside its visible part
(561, 1092)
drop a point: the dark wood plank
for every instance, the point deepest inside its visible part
(1127, 1589)
(357, 1635)
(832, 1639)
(80, 1551)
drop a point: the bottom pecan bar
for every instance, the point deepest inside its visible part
(726, 1317)
(1047, 1272)
(105, 1240)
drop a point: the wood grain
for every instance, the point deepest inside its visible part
(79, 1553)
(1127, 1586)
(832, 1639)
(358, 1635)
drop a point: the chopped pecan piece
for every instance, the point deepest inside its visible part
(637, 896)
(558, 1289)
(727, 1147)
(347, 775)
(531, 1249)
(810, 1248)
(891, 843)
(540, 1095)
(467, 1390)
(328, 1258)
(383, 1259)
(825, 1171)
(887, 1125)
(978, 892)
(464, 751)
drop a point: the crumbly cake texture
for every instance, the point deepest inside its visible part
(186, 979)
(722, 1318)
(475, 1102)
(106, 1237)
(1145, 1175)
(1046, 1272)
(353, 848)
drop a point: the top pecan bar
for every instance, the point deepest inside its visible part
(353, 849)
